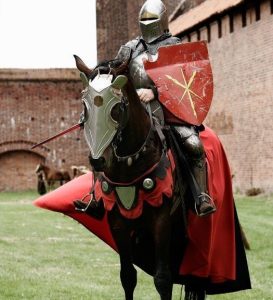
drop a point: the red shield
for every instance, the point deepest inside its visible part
(183, 77)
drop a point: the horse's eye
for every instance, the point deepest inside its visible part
(115, 112)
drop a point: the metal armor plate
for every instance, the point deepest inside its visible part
(183, 76)
(138, 73)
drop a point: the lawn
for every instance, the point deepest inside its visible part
(45, 255)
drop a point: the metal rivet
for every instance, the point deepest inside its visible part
(148, 183)
(129, 161)
(105, 186)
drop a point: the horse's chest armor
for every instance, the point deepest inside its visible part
(130, 197)
(126, 195)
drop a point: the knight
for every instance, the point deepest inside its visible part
(153, 24)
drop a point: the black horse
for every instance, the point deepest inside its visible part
(137, 151)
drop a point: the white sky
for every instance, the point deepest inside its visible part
(46, 33)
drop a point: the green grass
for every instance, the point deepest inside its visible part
(45, 255)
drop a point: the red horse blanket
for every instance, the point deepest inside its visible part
(211, 250)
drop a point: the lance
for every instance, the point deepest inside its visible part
(74, 127)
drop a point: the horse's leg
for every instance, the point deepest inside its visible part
(50, 182)
(121, 235)
(193, 294)
(162, 237)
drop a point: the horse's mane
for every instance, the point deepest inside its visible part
(106, 67)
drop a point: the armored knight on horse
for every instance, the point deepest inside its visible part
(184, 120)
(139, 197)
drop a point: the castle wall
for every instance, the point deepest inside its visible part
(37, 104)
(240, 47)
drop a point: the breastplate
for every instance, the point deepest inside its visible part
(138, 73)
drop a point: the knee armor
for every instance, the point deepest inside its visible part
(191, 144)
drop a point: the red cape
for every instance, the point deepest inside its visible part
(61, 200)
(211, 248)
(210, 252)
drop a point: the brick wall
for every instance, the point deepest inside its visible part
(133, 11)
(17, 170)
(111, 22)
(241, 53)
(244, 95)
(36, 104)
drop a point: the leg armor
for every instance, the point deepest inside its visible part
(194, 151)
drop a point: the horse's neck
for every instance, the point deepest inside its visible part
(134, 135)
(139, 123)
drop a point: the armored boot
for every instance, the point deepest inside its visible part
(205, 205)
(193, 148)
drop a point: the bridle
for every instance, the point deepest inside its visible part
(130, 158)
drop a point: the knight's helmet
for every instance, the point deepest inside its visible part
(153, 20)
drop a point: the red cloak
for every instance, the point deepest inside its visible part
(212, 238)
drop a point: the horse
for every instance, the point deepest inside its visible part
(133, 153)
(52, 176)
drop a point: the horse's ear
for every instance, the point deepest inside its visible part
(119, 82)
(82, 66)
(84, 79)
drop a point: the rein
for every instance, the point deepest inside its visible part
(134, 156)
(138, 178)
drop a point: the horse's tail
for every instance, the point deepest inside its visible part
(244, 238)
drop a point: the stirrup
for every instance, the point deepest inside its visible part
(87, 203)
(205, 198)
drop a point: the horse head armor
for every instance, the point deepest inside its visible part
(100, 98)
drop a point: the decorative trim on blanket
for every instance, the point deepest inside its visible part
(150, 189)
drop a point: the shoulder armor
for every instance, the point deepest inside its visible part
(133, 43)
(133, 46)
(172, 40)
(124, 53)
(175, 40)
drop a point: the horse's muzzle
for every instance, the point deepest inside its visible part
(98, 164)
